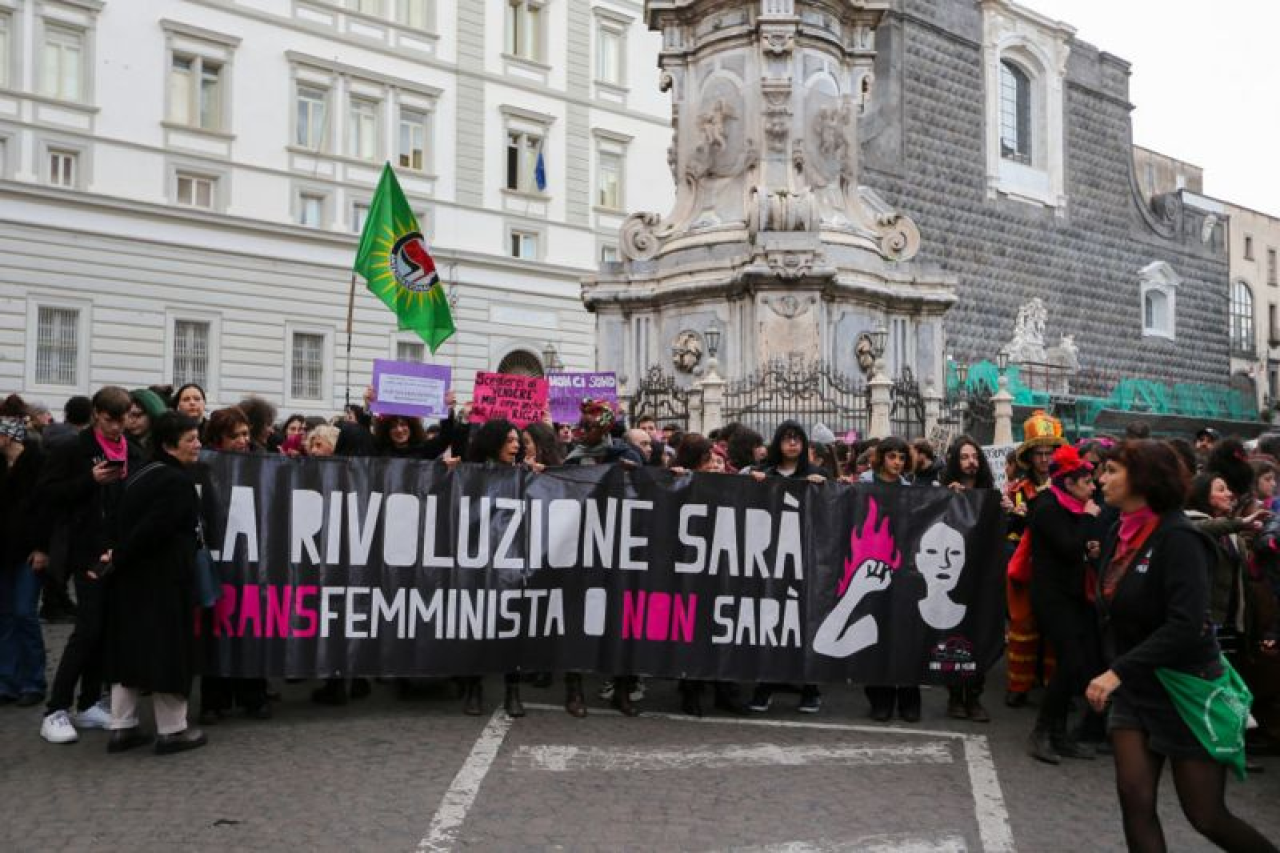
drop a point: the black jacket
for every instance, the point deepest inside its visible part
(1058, 537)
(67, 493)
(150, 643)
(1159, 615)
(20, 516)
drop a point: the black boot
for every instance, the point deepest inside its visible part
(955, 704)
(514, 707)
(473, 705)
(973, 705)
(1067, 746)
(728, 697)
(691, 697)
(1040, 747)
(622, 687)
(574, 703)
(334, 692)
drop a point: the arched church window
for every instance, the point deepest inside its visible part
(1015, 113)
(521, 363)
(1241, 317)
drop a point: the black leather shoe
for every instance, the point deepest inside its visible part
(512, 704)
(126, 739)
(26, 700)
(691, 698)
(1040, 747)
(575, 704)
(473, 705)
(334, 692)
(973, 708)
(622, 697)
(1015, 699)
(360, 688)
(1071, 748)
(180, 742)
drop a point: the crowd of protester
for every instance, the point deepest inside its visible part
(103, 503)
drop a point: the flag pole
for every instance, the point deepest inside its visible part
(351, 313)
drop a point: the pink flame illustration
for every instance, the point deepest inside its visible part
(873, 542)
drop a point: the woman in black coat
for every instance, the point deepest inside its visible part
(1154, 601)
(150, 590)
(1059, 529)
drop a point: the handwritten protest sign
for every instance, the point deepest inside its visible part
(995, 454)
(410, 389)
(520, 399)
(568, 390)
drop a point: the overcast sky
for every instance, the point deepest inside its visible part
(1205, 84)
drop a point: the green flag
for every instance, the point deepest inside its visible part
(397, 267)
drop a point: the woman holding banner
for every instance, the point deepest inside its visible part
(788, 456)
(496, 442)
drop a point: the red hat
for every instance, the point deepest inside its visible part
(1066, 461)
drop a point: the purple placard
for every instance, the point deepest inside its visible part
(569, 389)
(411, 389)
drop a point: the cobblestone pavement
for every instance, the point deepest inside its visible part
(390, 774)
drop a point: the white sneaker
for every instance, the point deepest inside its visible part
(637, 692)
(606, 690)
(57, 728)
(97, 717)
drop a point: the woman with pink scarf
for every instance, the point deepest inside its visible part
(1058, 528)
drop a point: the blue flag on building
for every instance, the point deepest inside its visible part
(540, 173)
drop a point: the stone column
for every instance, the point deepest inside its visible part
(932, 409)
(1003, 402)
(881, 402)
(711, 388)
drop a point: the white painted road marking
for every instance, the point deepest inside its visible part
(867, 844)
(989, 809)
(559, 759)
(457, 801)
(988, 799)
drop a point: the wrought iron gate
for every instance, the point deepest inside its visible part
(810, 393)
(659, 397)
(906, 412)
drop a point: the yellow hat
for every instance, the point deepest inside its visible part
(1040, 430)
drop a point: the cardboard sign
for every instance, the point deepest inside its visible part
(520, 399)
(995, 454)
(410, 389)
(568, 390)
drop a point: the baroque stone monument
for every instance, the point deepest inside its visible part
(773, 241)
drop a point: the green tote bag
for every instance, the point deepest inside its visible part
(1216, 710)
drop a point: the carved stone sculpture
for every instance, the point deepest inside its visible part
(686, 351)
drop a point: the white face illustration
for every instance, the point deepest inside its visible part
(941, 558)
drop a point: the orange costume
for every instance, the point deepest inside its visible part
(1023, 645)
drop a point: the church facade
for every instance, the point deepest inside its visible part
(1009, 142)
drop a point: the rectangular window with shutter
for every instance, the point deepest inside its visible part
(191, 352)
(307, 380)
(57, 346)
(62, 67)
(411, 351)
(362, 129)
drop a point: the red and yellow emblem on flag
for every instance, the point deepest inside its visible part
(397, 267)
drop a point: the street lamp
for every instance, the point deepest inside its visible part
(551, 358)
(1002, 360)
(879, 338)
(713, 340)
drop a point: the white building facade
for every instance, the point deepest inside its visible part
(182, 183)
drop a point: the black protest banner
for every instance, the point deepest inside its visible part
(393, 567)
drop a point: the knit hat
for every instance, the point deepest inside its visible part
(822, 434)
(1040, 430)
(14, 428)
(149, 401)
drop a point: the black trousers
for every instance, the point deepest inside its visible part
(82, 658)
(1070, 629)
